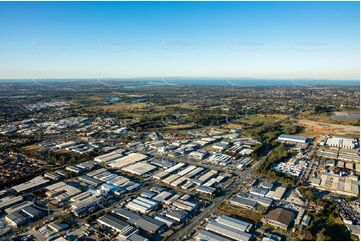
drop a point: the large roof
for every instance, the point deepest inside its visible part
(280, 215)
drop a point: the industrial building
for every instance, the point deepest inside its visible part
(204, 235)
(279, 217)
(340, 142)
(227, 231)
(31, 184)
(294, 139)
(234, 223)
(142, 205)
(139, 168)
(244, 202)
(127, 160)
(123, 228)
(149, 225)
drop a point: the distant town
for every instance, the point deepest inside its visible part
(137, 161)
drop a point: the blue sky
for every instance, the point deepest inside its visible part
(271, 40)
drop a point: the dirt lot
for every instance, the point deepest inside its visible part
(316, 128)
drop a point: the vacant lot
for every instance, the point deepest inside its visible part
(240, 212)
(316, 128)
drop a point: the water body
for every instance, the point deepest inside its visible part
(160, 81)
(349, 116)
(255, 83)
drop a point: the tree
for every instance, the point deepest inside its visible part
(322, 235)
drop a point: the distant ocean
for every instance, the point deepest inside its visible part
(235, 82)
(137, 82)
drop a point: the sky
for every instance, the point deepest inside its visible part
(267, 40)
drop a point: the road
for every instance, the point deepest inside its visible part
(245, 176)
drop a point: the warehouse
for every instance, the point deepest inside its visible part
(118, 181)
(148, 194)
(203, 235)
(18, 207)
(110, 156)
(96, 172)
(346, 143)
(195, 172)
(31, 184)
(171, 178)
(228, 231)
(90, 180)
(234, 223)
(179, 181)
(139, 168)
(243, 202)
(172, 199)
(161, 175)
(279, 217)
(149, 225)
(294, 139)
(15, 219)
(168, 221)
(125, 214)
(278, 193)
(259, 191)
(162, 196)
(85, 206)
(186, 170)
(205, 177)
(118, 225)
(178, 215)
(142, 205)
(58, 227)
(135, 237)
(175, 168)
(197, 155)
(206, 190)
(31, 212)
(9, 201)
(127, 160)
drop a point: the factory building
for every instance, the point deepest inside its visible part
(243, 202)
(340, 142)
(279, 217)
(204, 235)
(227, 231)
(234, 223)
(123, 228)
(294, 139)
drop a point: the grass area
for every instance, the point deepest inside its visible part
(240, 212)
(122, 106)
